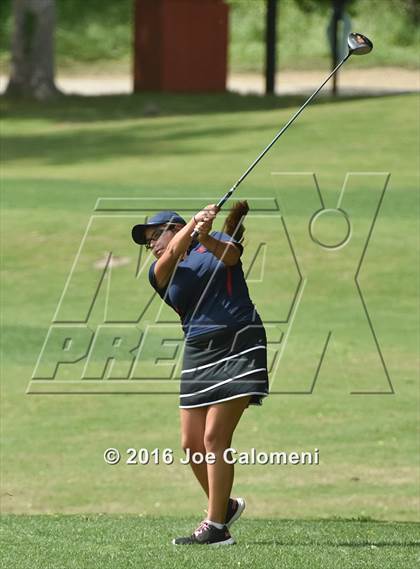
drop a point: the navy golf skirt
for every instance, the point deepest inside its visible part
(223, 365)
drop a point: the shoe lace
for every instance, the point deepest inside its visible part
(201, 528)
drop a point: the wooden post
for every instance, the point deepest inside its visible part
(338, 6)
(270, 49)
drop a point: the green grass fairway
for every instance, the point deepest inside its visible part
(58, 161)
(102, 542)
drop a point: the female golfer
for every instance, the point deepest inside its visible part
(225, 360)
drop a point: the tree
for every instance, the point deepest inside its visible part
(32, 62)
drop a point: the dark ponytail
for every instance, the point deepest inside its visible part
(233, 225)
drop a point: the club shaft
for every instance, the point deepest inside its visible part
(224, 199)
(278, 135)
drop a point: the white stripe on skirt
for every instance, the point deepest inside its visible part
(223, 359)
(222, 382)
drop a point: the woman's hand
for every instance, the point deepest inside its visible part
(206, 214)
(203, 228)
(204, 221)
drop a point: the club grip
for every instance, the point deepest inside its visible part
(195, 234)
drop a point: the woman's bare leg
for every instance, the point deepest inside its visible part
(193, 422)
(221, 422)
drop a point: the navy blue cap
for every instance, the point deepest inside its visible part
(138, 231)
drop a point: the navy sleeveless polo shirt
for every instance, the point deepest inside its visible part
(207, 294)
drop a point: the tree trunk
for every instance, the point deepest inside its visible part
(32, 65)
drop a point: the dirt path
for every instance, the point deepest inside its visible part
(351, 82)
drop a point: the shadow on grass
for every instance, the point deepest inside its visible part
(79, 145)
(70, 141)
(119, 107)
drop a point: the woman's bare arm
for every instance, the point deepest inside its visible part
(176, 248)
(178, 245)
(226, 251)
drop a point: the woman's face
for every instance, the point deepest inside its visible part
(158, 238)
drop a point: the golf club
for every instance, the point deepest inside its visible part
(358, 44)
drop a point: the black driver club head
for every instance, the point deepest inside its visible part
(359, 44)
